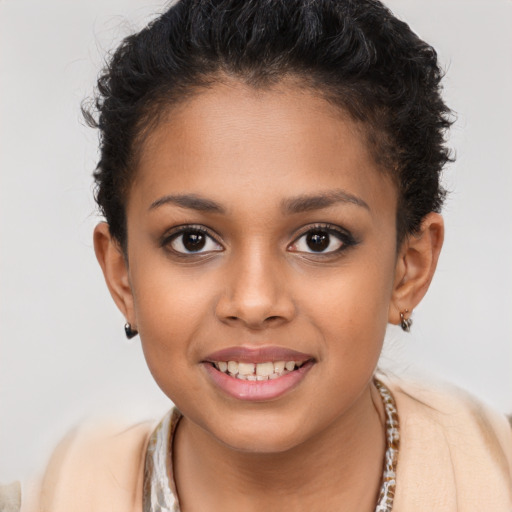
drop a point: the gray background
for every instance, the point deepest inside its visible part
(63, 356)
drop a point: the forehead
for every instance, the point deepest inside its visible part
(232, 136)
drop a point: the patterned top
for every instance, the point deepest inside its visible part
(160, 493)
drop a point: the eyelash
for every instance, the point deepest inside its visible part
(346, 239)
(189, 228)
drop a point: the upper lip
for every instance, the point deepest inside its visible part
(257, 355)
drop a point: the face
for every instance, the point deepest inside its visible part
(261, 240)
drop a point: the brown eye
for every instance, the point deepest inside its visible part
(192, 241)
(322, 240)
(318, 241)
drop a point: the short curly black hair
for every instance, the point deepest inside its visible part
(354, 53)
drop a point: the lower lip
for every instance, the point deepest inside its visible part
(257, 390)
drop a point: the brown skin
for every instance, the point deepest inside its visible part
(320, 446)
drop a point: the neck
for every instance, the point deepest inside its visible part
(338, 469)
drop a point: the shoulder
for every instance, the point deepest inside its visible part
(455, 452)
(10, 497)
(97, 468)
(457, 414)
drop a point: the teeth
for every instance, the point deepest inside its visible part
(279, 366)
(233, 367)
(246, 368)
(249, 377)
(290, 365)
(256, 371)
(264, 369)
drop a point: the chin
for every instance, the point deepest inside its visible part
(263, 445)
(261, 435)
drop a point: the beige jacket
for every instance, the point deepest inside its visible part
(455, 455)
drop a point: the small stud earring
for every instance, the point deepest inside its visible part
(130, 333)
(405, 323)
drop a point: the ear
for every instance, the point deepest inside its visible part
(115, 270)
(415, 266)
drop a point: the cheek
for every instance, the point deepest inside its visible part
(350, 308)
(170, 309)
(168, 298)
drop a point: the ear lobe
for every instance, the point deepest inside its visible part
(115, 270)
(416, 264)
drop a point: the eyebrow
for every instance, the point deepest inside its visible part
(299, 204)
(190, 201)
(306, 203)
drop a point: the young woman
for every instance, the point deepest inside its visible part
(269, 176)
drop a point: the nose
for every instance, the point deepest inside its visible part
(256, 294)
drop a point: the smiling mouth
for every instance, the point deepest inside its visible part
(257, 371)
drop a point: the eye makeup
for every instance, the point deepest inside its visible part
(191, 240)
(322, 240)
(318, 240)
